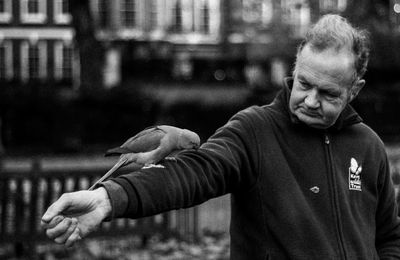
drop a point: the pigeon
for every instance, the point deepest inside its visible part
(150, 146)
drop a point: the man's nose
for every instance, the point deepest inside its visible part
(312, 99)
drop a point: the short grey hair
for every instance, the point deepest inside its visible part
(334, 31)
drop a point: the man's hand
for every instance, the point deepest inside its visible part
(74, 215)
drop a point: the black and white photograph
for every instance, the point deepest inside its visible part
(199, 129)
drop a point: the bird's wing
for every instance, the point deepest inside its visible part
(167, 145)
(146, 140)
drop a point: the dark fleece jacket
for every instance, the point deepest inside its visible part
(297, 192)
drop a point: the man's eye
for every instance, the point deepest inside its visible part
(304, 85)
(331, 96)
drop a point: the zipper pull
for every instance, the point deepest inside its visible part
(327, 141)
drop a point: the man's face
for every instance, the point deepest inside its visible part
(322, 86)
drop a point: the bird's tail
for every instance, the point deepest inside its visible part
(118, 165)
(117, 151)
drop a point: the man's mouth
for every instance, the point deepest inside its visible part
(309, 113)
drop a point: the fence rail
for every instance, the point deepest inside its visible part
(26, 194)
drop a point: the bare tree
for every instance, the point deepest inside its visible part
(91, 51)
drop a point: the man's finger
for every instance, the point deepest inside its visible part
(53, 222)
(74, 237)
(59, 229)
(61, 239)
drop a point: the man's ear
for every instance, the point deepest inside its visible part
(356, 88)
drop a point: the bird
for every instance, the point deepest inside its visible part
(150, 146)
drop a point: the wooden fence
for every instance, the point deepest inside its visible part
(26, 194)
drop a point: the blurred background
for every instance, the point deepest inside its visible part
(80, 76)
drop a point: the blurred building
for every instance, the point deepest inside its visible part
(201, 41)
(36, 42)
(166, 43)
(229, 41)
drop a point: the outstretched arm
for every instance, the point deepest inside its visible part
(225, 163)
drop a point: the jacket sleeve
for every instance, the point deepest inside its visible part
(226, 162)
(388, 222)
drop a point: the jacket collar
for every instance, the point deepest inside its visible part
(348, 116)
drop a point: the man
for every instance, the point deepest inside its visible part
(308, 179)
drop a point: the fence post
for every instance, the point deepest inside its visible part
(33, 221)
(32, 208)
(196, 223)
(1, 161)
(3, 201)
(2, 150)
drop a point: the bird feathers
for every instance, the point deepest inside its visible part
(146, 140)
(150, 146)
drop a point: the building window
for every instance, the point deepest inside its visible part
(332, 5)
(256, 11)
(205, 17)
(33, 61)
(342, 4)
(64, 56)
(6, 60)
(5, 11)
(297, 14)
(101, 12)
(325, 5)
(177, 25)
(251, 11)
(154, 14)
(267, 11)
(128, 13)
(62, 12)
(33, 11)
(33, 6)
(67, 55)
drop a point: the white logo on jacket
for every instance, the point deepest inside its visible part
(149, 166)
(354, 175)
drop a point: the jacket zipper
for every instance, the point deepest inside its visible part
(335, 200)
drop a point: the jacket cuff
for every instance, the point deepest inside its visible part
(118, 198)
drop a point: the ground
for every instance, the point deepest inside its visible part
(211, 246)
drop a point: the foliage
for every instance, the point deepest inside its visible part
(376, 16)
(62, 121)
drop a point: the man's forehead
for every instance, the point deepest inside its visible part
(305, 72)
(331, 66)
(343, 55)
